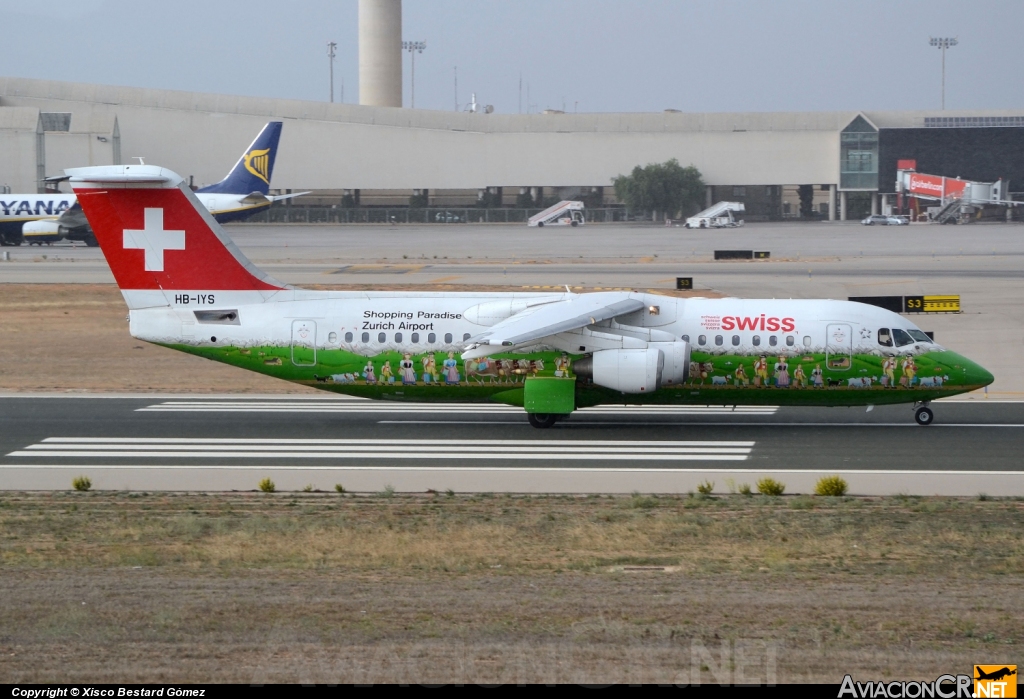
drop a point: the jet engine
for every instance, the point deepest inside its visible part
(625, 370)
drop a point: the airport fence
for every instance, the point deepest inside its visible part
(332, 214)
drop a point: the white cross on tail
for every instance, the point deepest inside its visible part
(154, 240)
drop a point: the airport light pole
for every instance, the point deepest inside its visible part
(414, 47)
(942, 44)
(331, 53)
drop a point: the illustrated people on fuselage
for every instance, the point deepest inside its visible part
(909, 370)
(816, 377)
(761, 371)
(385, 373)
(562, 365)
(740, 376)
(782, 373)
(368, 373)
(451, 370)
(889, 372)
(429, 369)
(408, 370)
(799, 377)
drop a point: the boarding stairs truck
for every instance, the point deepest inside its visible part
(564, 213)
(957, 199)
(718, 216)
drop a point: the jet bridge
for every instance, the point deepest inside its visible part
(956, 198)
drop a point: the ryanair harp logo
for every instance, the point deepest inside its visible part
(258, 163)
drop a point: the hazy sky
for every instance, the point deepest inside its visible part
(590, 55)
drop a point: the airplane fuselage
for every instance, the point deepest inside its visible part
(408, 347)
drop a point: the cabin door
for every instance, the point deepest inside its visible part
(304, 342)
(839, 346)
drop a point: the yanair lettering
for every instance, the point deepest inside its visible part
(39, 207)
(199, 299)
(761, 322)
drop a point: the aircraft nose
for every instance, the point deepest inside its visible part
(974, 373)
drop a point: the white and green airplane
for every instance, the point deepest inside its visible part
(189, 288)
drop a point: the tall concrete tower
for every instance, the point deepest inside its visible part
(380, 53)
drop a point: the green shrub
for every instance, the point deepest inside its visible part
(706, 487)
(308, 488)
(388, 492)
(81, 484)
(339, 487)
(831, 486)
(267, 485)
(770, 486)
(744, 489)
(450, 493)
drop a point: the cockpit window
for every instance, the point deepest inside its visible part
(919, 336)
(884, 337)
(901, 337)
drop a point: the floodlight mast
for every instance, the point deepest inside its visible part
(942, 44)
(331, 48)
(414, 47)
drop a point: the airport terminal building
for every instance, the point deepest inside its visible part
(842, 164)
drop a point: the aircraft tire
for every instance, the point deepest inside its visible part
(92, 242)
(924, 416)
(542, 421)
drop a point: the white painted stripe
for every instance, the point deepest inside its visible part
(416, 449)
(510, 469)
(610, 423)
(396, 442)
(513, 456)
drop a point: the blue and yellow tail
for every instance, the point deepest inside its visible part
(253, 170)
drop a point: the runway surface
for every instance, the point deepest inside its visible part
(230, 443)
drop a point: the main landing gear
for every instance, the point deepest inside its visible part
(542, 420)
(924, 416)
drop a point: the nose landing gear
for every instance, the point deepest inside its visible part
(924, 416)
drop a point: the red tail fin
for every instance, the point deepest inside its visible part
(156, 235)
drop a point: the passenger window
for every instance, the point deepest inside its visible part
(686, 338)
(348, 337)
(901, 338)
(757, 340)
(448, 338)
(465, 337)
(790, 340)
(366, 337)
(702, 340)
(398, 337)
(332, 337)
(719, 340)
(415, 338)
(884, 337)
(735, 340)
(431, 338)
(807, 340)
(382, 338)
(772, 340)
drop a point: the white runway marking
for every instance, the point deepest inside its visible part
(365, 407)
(392, 449)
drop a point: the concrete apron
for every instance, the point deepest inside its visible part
(370, 479)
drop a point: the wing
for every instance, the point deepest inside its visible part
(73, 217)
(538, 322)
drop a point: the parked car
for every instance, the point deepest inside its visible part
(879, 220)
(447, 217)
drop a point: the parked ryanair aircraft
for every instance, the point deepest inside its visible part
(47, 218)
(189, 288)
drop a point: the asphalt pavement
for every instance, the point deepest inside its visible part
(231, 442)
